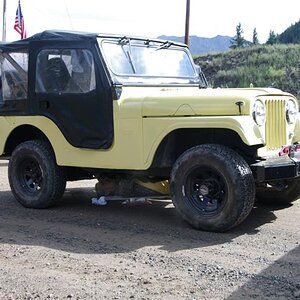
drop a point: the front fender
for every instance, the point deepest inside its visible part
(156, 129)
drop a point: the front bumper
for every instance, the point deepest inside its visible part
(282, 167)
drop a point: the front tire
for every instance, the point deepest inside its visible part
(34, 177)
(212, 187)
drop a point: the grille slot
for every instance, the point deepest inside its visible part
(276, 131)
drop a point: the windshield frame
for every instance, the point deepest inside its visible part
(142, 79)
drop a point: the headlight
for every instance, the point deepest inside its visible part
(291, 111)
(259, 113)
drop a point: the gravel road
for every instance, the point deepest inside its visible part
(80, 251)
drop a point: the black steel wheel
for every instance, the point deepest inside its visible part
(212, 187)
(35, 179)
(206, 190)
(30, 175)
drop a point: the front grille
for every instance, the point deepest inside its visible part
(276, 130)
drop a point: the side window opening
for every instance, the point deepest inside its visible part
(14, 75)
(65, 71)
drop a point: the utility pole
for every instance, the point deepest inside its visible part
(187, 23)
(4, 22)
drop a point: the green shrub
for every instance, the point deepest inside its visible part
(263, 66)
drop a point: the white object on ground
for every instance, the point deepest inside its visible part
(99, 201)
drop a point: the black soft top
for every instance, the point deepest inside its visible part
(57, 35)
(48, 35)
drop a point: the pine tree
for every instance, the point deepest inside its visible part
(238, 41)
(273, 38)
(254, 37)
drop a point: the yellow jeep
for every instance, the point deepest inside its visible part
(137, 114)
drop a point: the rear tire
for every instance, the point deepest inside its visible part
(212, 187)
(34, 177)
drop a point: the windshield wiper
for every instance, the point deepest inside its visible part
(165, 45)
(124, 41)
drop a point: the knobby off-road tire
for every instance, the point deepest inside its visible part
(212, 187)
(34, 177)
(289, 192)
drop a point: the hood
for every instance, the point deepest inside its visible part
(206, 102)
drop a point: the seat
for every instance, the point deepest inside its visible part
(56, 75)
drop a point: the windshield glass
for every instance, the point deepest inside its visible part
(135, 59)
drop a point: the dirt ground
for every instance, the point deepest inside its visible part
(81, 251)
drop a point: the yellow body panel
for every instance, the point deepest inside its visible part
(126, 151)
(155, 129)
(144, 116)
(135, 140)
(296, 136)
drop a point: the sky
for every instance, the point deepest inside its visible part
(152, 18)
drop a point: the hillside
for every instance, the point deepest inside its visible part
(272, 66)
(291, 35)
(201, 45)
